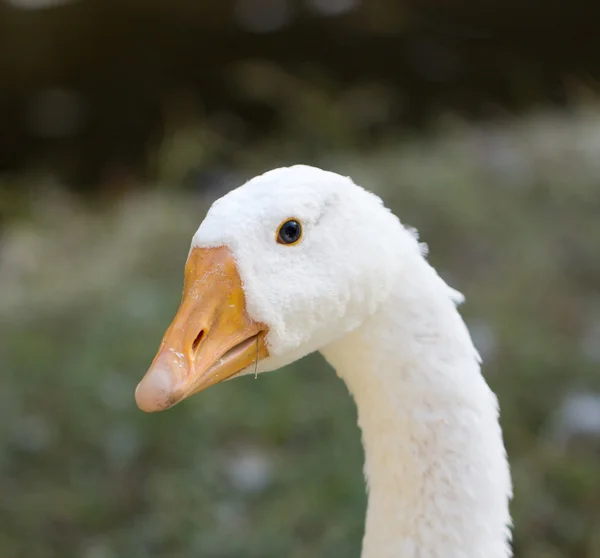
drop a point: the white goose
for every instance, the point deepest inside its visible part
(299, 260)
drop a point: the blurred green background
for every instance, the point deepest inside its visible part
(121, 122)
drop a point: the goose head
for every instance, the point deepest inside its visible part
(300, 259)
(282, 266)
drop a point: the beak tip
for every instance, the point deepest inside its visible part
(154, 392)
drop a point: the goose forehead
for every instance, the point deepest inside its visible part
(267, 202)
(246, 213)
(262, 203)
(281, 191)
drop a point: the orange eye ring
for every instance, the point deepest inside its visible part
(289, 233)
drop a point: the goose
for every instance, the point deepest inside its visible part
(301, 259)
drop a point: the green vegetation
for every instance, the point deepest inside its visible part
(272, 467)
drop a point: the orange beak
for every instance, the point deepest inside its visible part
(211, 339)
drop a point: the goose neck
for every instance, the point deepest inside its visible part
(435, 464)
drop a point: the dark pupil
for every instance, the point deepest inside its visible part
(290, 232)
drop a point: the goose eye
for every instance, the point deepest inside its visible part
(290, 232)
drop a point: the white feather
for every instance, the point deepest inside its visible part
(359, 289)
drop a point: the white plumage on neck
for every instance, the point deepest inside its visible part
(435, 466)
(358, 289)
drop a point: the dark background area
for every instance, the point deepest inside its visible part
(117, 66)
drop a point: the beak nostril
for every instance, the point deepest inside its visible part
(197, 341)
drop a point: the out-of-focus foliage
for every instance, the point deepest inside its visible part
(272, 467)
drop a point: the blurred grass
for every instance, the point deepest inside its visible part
(273, 467)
